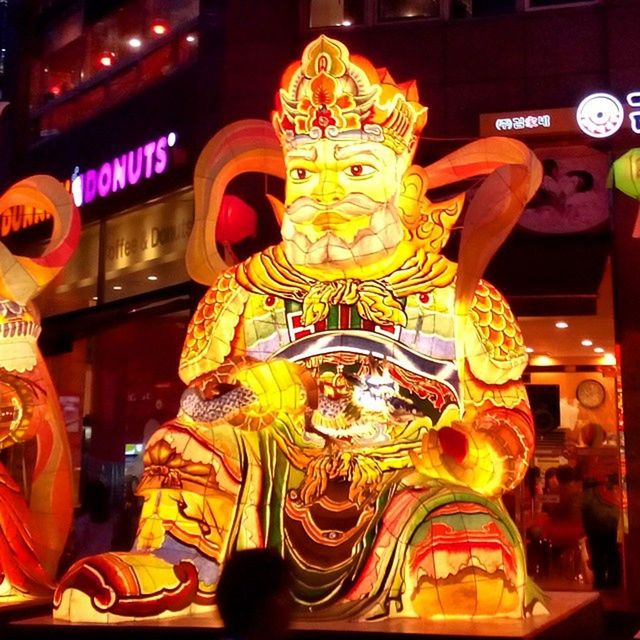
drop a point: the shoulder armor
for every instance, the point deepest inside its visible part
(494, 346)
(212, 327)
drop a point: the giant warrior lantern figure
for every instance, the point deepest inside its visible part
(33, 532)
(353, 396)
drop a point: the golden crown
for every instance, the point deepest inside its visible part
(331, 94)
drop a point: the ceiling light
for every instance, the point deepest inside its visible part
(598, 350)
(190, 38)
(152, 278)
(586, 343)
(107, 58)
(117, 287)
(159, 27)
(529, 349)
(561, 324)
(94, 298)
(135, 43)
(346, 23)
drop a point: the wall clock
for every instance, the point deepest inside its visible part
(590, 393)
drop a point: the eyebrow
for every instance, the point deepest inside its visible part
(348, 151)
(303, 154)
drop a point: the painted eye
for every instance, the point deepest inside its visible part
(299, 174)
(359, 170)
(600, 115)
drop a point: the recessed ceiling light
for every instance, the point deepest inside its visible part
(152, 278)
(94, 298)
(135, 43)
(561, 324)
(598, 350)
(117, 287)
(190, 38)
(529, 350)
(107, 58)
(587, 343)
(159, 27)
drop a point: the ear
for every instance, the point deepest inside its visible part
(429, 223)
(277, 206)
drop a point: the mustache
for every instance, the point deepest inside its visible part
(353, 204)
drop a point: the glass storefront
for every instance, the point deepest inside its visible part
(570, 508)
(97, 56)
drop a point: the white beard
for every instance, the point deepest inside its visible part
(368, 246)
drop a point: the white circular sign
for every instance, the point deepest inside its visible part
(600, 115)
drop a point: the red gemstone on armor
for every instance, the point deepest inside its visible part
(453, 443)
(424, 297)
(270, 301)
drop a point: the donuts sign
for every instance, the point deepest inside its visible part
(127, 169)
(600, 115)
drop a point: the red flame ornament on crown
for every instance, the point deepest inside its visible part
(331, 94)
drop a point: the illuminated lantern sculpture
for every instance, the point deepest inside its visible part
(33, 537)
(353, 397)
(626, 177)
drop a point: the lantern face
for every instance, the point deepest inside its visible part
(353, 397)
(342, 205)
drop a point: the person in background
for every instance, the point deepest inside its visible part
(126, 524)
(551, 484)
(93, 529)
(254, 597)
(601, 506)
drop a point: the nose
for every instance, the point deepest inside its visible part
(328, 190)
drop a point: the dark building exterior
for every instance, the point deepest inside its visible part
(120, 97)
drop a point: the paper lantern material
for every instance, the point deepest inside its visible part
(353, 397)
(33, 537)
(626, 177)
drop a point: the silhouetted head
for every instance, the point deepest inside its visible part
(551, 479)
(254, 596)
(565, 474)
(96, 501)
(531, 479)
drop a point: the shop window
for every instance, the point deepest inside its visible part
(482, 8)
(346, 13)
(336, 13)
(76, 286)
(88, 46)
(545, 4)
(408, 9)
(145, 249)
(572, 503)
